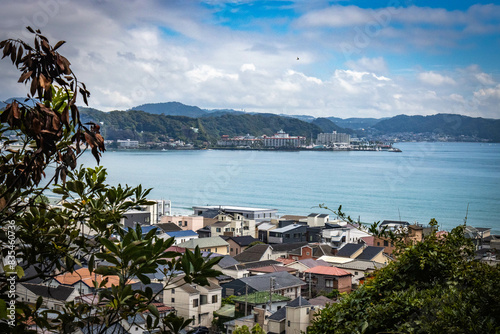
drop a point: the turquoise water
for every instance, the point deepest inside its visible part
(426, 180)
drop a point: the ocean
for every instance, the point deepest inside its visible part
(445, 181)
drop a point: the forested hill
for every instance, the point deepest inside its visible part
(172, 109)
(445, 124)
(139, 125)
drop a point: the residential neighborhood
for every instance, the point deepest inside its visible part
(275, 271)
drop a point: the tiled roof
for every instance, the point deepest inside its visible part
(368, 240)
(253, 253)
(281, 280)
(169, 227)
(59, 293)
(288, 247)
(84, 275)
(324, 270)
(320, 301)
(227, 261)
(297, 302)
(311, 263)
(349, 249)
(178, 234)
(285, 261)
(243, 240)
(278, 315)
(370, 252)
(204, 243)
(272, 269)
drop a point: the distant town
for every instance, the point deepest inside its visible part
(277, 271)
(279, 141)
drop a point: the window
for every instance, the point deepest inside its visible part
(386, 243)
(355, 273)
(378, 243)
(288, 323)
(236, 251)
(203, 299)
(329, 283)
(214, 299)
(185, 223)
(232, 250)
(180, 223)
(195, 302)
(217, 229)
(173, 300)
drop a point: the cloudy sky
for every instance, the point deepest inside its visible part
(322, 58)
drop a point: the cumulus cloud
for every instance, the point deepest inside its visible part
(435, 79)
(147, 51)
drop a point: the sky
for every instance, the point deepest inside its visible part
(309, 57)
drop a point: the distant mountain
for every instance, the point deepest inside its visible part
(142, 126)
(305, 118)
(444, 124)
(355, 123)
(220, 112)
(30, 103)
(328, 126)
(172, 109)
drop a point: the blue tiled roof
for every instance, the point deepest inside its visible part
(178, 234)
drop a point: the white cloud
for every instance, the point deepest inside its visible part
(376, 65)
(247, 67)
(435, 79)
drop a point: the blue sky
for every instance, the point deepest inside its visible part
(320, 58)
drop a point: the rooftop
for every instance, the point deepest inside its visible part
(204, 243)
(349, 249)
(260, 297)
(178, 234)
(326, 270)
(370, 252)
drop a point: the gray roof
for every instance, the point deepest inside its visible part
(243, 240)
(169, 227)
(156, 287)
(251, 254)
(311, 263)
(227, 261)
(321, 301)
(287, 228)
(297, 302)
(253, 265)
(349, 249)
(370, 252)
(282, 279)
(278, 315)
(288, 247)
(61, 292)
(204, 243)
(362, 265)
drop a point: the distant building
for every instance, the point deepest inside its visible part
(127, 143)
(333, 139)
(239, 141)
(282, 139)
(257, 214)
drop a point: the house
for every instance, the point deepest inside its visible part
(282, 250)
(83, 281)
(193, 223)
(288, 234)
(181, 236)
(239, 244)
(316, 219)
(193, 301)
(279, 282)
(262, 300)
(240, 270)
(212, 244)
(295, 317)
(363, 252)
(256, 214)
(255, 253)
(325, 278)
(263, 231)
(310, 251)
(350, 250)
(169, 227)
(303, 265)
(359, 268)
(54, 298)
(232, 225)
(271, 269)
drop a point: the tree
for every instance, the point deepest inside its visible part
(245, 330)
(434, 286)
(46, 241)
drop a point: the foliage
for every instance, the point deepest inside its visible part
(40, 241)
(435, 286)
(245, 330)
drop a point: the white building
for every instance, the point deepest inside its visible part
(333, 139)
(282, 139)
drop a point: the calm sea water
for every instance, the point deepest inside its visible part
(426, 180)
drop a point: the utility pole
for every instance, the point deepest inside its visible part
(310, 286)
(271, 287)
(246, 297)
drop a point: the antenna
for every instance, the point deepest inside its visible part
(399, 215)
